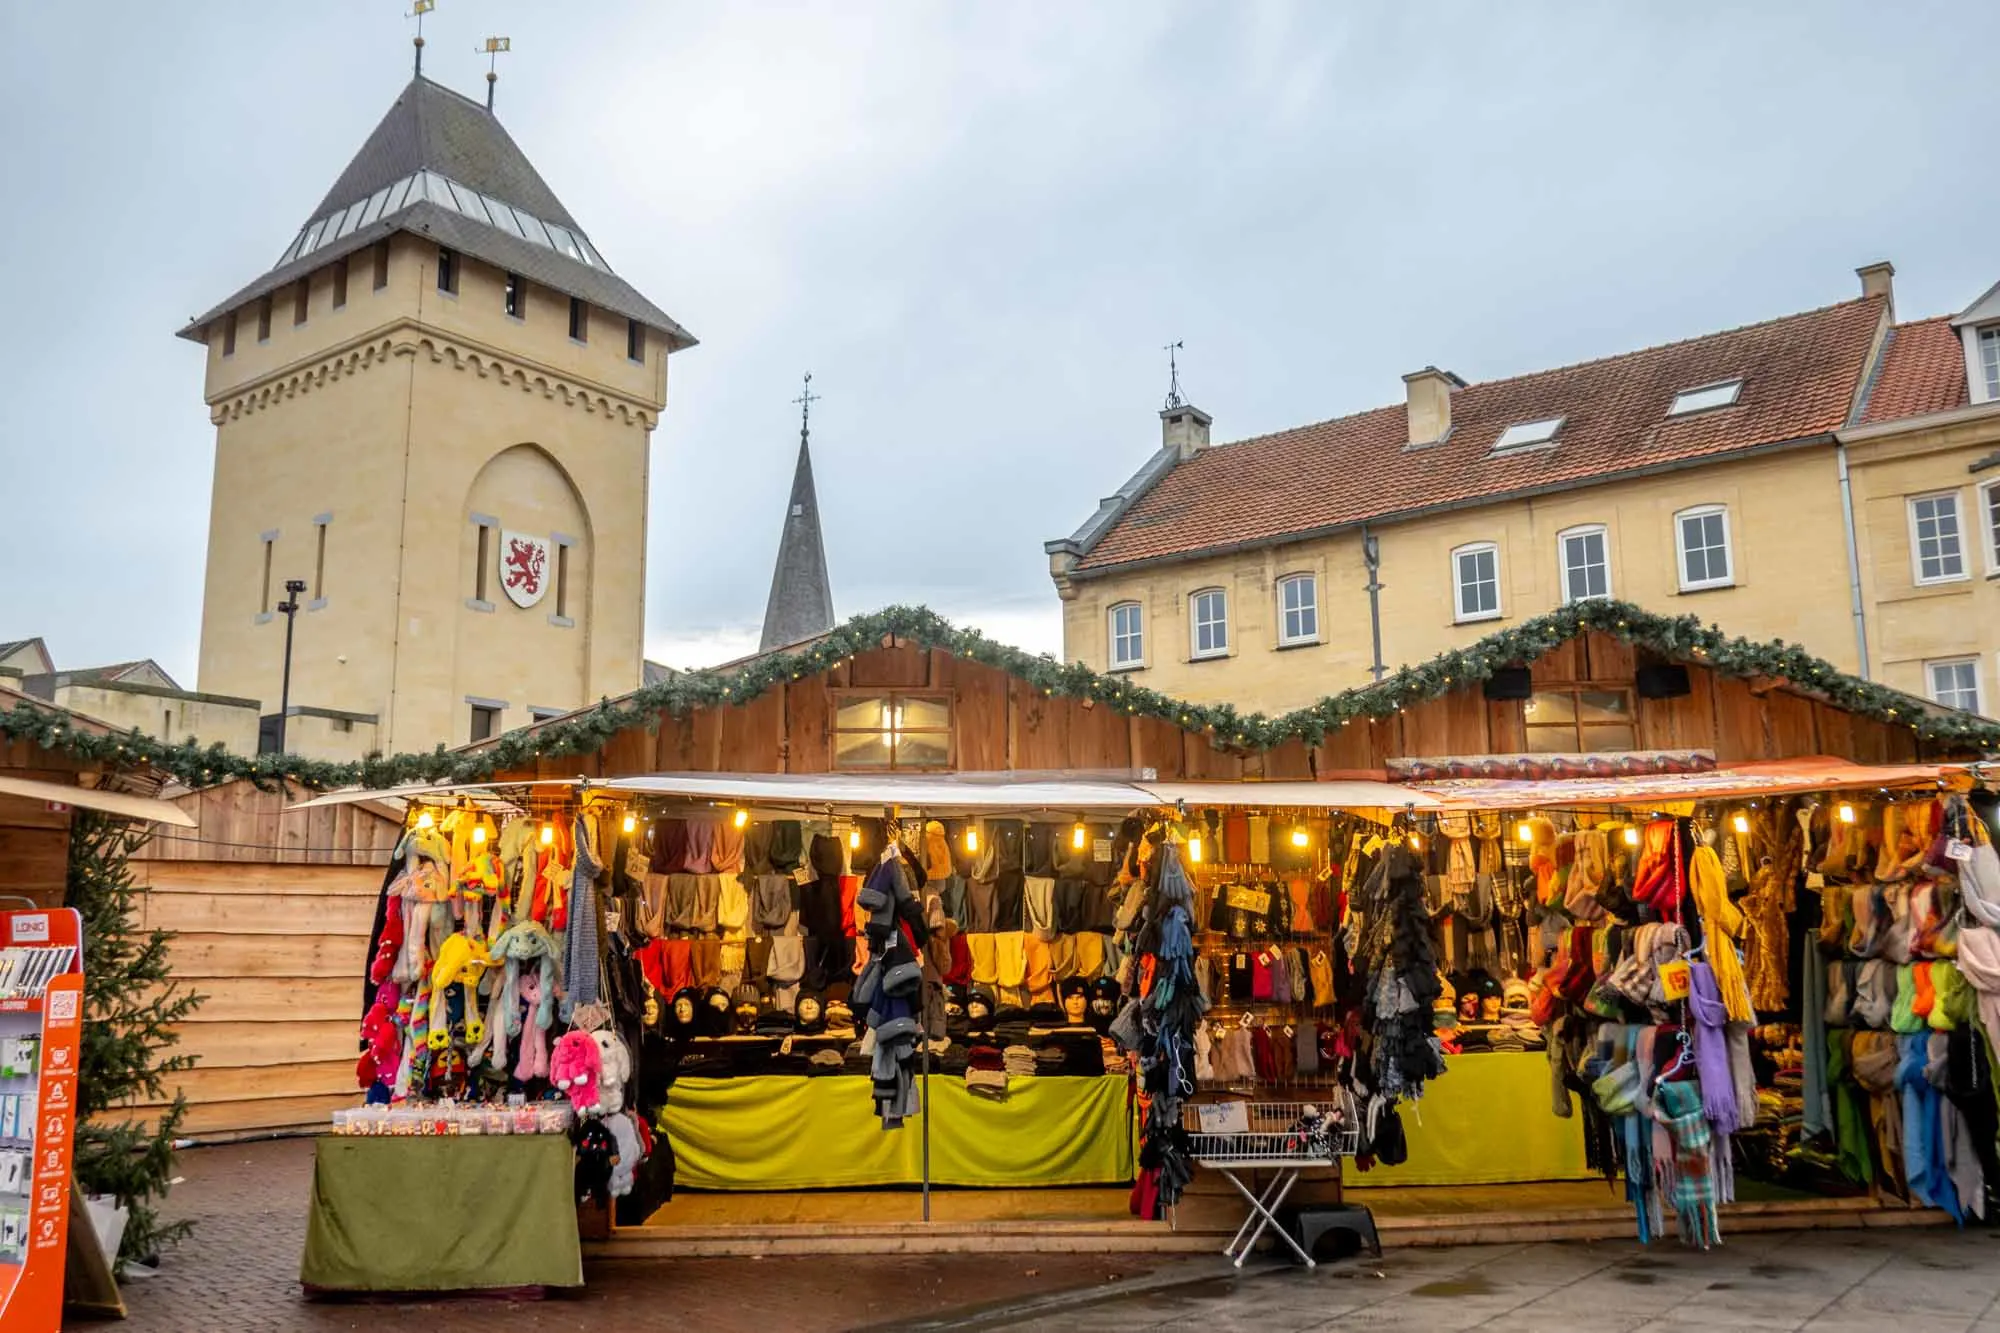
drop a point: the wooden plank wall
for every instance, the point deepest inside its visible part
(280, 951)
(1005, 724)
(238, 822)
(34, 840)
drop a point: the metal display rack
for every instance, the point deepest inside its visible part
(1286, 1138)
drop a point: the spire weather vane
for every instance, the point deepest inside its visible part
(417, 11)
(805, 400)
(491, 50)
(1174, 398)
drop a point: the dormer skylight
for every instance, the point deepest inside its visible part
(447, 193)
(1526, 433)
(1708, 396)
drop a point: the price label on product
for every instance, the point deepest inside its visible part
(1674, 983)
(1223, 1118)
(803, 876)
(1958, 849)
(1100, 851)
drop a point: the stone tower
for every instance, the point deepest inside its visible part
(436, 411)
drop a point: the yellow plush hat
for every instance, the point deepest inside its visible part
(460, 959)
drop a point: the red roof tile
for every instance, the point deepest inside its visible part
(1799, 377)
(1923, 372)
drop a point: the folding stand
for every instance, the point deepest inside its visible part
(1268, 1135)
(1264, 1212)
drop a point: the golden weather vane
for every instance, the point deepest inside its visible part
(491, 49)
(417, 11)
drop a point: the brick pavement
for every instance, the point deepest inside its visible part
(239, 1272)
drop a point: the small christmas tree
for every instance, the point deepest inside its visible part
(130, 1006)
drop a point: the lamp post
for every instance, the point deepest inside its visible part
(290, 608)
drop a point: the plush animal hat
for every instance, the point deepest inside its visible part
(460, 960)
(577, 1068)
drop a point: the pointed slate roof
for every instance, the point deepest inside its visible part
(441, 165)
(801, 605)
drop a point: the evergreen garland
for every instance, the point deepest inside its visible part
(130, 1006)
(1677, 638)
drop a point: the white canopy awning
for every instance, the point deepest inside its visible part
(90, 798)
(357, 795)
(1333, 795)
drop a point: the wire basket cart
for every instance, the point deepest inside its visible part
(1285, 1138)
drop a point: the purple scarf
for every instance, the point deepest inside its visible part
(1711, 1049)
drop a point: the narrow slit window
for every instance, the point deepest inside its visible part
(562, 582)
(635, 340)
(319, 560)
(264, 594)
(229, 334)
(517, 296)
(480, 563)
(579, 320)
(447, 271)
(264, 320)
(302, 301)
(381, 264)
(339, 284)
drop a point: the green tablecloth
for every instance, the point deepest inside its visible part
(781, 1133)
(442, 1214)
(1485, 1122)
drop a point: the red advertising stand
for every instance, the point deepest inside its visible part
(41, 1022)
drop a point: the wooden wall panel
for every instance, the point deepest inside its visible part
(34, 843)
(1205, 763)
(279, 950)
(1099, 739)
(237, 821)
(1788, 725)
(979, 715)
(1290, 762)
(1506, 726)
(1686, 723)
(808, 726)
(628, 753)
(899, 667)
(1040, 728)
(753, 734)
(673, 747)
(1739, 721)
(1156, 745)
(1606, 657)
(1560, 665)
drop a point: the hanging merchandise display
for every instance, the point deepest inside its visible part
(41, 1023)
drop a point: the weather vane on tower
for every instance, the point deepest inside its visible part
(805, 400)
(491, 50)
(1174, 398)
(417, 12)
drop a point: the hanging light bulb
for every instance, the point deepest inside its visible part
(1524, 831)
(479, 835)
(426, 820)
(1301, 838)
(1416, 842)
(854, 840)
(1194, 850)
(1741, 823)
(1079, 837)
(742, 818)
(1631, 835)
(548, 834)
(631, 821)
(972, 842)
(1846, 813)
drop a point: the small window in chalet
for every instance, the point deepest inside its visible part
(1583, 720)
(891, 730)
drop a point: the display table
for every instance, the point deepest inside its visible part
(784, 1133)
(451, 1213)
(1486, 1121)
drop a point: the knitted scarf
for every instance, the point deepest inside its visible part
(1817, 1114)
(1923, 1137)
(1711, 1050)
(1979, 964)
(1687, 1176)
(1850, 1117)
(1875, 1060)
(1722, 925)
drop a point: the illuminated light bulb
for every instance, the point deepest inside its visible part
(1079, 837)
(548, 834)
(1524, 832)
(426, 820)
(479, 835)
(972, 842)
(742, 818)
(854, 840)
(1301, 838)
(1417, 841)
(631, 823)
(1632, 835)
(1194, 850)
(1741, 823)
(1846, 814)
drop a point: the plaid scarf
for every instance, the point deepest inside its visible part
(1688, 1176)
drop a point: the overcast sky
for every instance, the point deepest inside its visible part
(976, 224)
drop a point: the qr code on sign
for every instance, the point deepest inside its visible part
(62, 1006)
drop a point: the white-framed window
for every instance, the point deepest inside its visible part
(1701, 540)
(1989, 361)
(1298, 609)
(1128, 636)
(1989, 521)
(1937, 544)
(1584, 555)
(1208, 623)
(1475, 579)
(1705, 397)
(1954, 682)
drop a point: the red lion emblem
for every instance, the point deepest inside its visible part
(524, 565)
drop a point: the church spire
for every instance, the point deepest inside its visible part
(801, 605)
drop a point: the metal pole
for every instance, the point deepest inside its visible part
(290, 606)
(927, 1118)
(1371, 554)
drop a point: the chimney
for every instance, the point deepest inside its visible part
(1878, 280)
(1430, 392)
(1184, 429)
